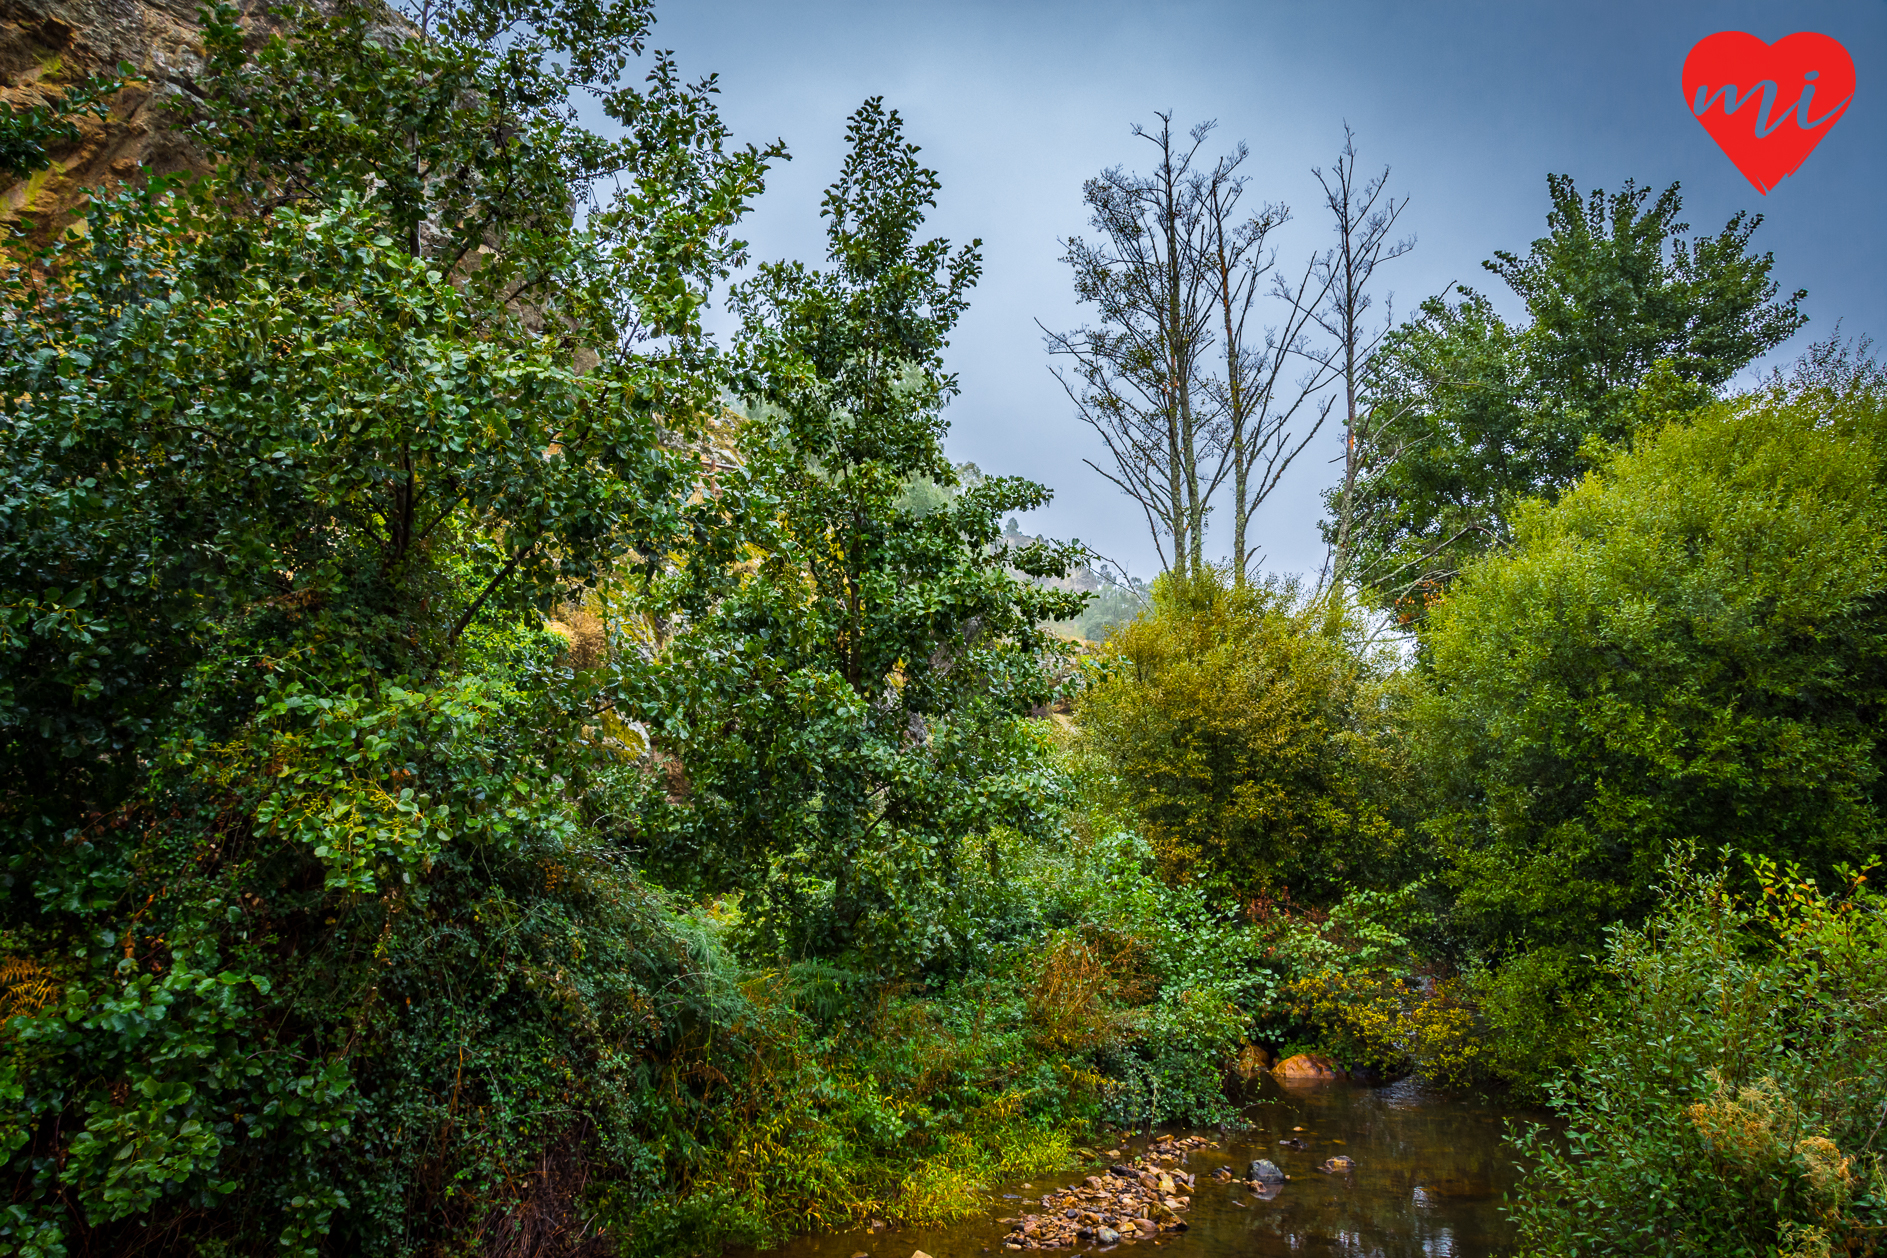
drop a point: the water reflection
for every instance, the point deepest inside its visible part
(1430, 1172)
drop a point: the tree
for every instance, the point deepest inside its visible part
(1137, 375)
(854, 704)
(1177, 272)
(1363, 222)
(1255, 405)
(1687, 646)
(1489, 413)
(291, 461)
(1246, 727)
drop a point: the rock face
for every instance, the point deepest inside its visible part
(1265, 1171)
(49, 46)
(1307, 1066)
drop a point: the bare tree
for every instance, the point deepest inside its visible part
(1364, 219)
(1135, 375)
(1256, 405)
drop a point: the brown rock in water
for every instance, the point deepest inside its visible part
(918, 1253)
(1306, 1066)
(1251, 1060)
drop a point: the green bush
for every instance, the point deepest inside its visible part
(1249, 729)
(1730, 1103)
(1689, 645)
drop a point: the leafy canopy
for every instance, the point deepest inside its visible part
(291, 459)
(1248, 727)
(1483, 413)
(1689, 645)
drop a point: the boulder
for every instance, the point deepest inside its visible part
(1307, 1066)
(1107, 1236)
(1265, 1171)
(1339, 1165)
(1251, 1060)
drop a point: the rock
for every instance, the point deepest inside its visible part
(1265, 1171)
(918, 1253)
(47, 46)
(1147, 1227)
(1251, 1060)
(1165, 1185)
(1106, 1235)
(1307, 1066)
(1339, 1165)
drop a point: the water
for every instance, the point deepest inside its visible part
(1431, 1170)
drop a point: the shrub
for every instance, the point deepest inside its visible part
(1689, 645)
(1247, 727)
(1731, 1102)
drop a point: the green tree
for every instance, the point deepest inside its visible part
(856, 703)
(1479, 414)
(1249, 729)
(292, 460)
(1688, 646)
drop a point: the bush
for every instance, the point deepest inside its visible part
(1248, 727)
(1689, 645)
(1731, 1103)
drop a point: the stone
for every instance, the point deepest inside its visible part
(1147, 1227)
(1265, 1171)
(1307, 1066)
(918, 1253)
(1106, 1235)
(1251, 1060)
(1339, 1165)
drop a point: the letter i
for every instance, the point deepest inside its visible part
(1808, 94)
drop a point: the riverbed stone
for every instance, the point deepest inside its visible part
(1265, 1171)
(1307, 1066)
(1106, 1235)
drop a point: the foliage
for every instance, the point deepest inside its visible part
(849, 703)
(1116, 604)
(1732, 1102)
(1391, 1023)
(291, 783)
(1250, 730)
(29, 134)
(1489, 413)
(1687, 646)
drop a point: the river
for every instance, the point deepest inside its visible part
(1431, 1171)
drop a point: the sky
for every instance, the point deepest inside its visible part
(1469, 105)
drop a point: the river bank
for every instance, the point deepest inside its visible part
(1428, 1176)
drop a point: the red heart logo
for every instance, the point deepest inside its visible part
(1768, 105)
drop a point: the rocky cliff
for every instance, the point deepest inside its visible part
(48, 46)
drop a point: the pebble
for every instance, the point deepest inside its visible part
(1132, 1200)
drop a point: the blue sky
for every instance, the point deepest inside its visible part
(1471, 105)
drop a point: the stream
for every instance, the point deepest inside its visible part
(1430, 1174)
